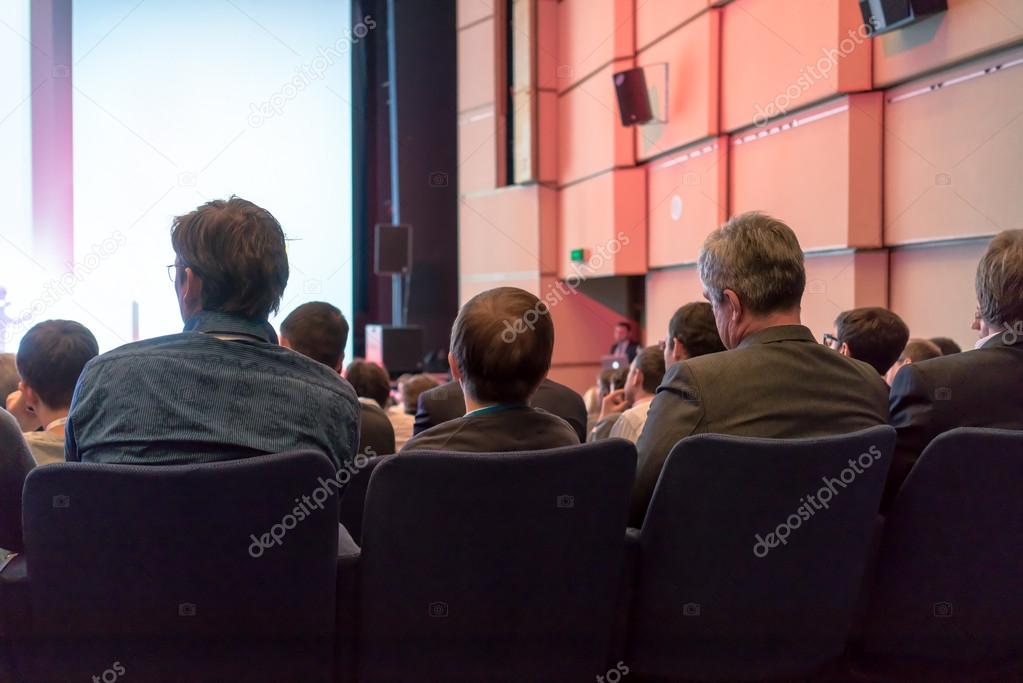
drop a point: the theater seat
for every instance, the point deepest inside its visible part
(948, 599)
(493, 567)
(164, 573)
(354, 498)
(741, 576)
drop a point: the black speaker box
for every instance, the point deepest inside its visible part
(399, 349)
(882, 16)
(633, 100)
(393, 252)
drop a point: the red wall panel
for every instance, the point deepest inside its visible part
(591, 34)
(656, 18)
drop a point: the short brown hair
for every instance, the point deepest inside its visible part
(502, 342)
(317, 330)
(237, 249)
(694, 326)
(650, 362)
(875, 335)
(757, 257)
(411, 387)
(1000, 279)
(920, 349)
(51, 358)
(369, 381)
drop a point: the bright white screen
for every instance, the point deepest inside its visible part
(177, 103)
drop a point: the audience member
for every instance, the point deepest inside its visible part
(373, 387)
(446, 402)
(319, 331)
(498, 376)
(916, 350)
(50, 359)
(222, 389)
(624, 345)
(692, 332)
(14, 402)
(633, 401)
(873, 335)
(403, 414)
(774, 380)
(978, 388)
(948, 346)
(15, 464)
(9, 377)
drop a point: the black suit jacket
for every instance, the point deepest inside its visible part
(376, 433)
(446, 402)
(980, 388)
(514, 428)
(778, 383)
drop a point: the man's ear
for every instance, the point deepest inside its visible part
(844, 350)
(191, 291)
(455, 374)
(340, 363)
(29, 398)
(679, 351)
(735, 306)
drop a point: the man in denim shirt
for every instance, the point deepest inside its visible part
(223, 389)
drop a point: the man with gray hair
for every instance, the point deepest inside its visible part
(978, 388)
(774, 379)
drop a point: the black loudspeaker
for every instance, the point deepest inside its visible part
(393, 253)
(399, 349)
(633, 100)
(882, 16)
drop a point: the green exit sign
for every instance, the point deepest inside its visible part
(578, 255)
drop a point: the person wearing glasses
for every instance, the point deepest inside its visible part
(223, 388)
(872, 334)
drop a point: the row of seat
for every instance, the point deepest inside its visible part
(757, 559)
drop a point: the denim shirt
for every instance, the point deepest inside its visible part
(221, 390)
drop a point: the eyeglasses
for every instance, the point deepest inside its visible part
(831, 340)
(172, 270)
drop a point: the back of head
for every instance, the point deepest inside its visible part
(237, 249)
(920, 349)
(412, 387)
(650, 362)
(999, 280)
(501, 343)
(874, 335)
(51, 358)
(369, 381)
(948, 346)
(9, 376)
(757, 257)
(317, 330)
(694, 326)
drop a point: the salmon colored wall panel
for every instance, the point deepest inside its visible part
(837, 282)
(471, 11)
(777, 56)
(591, 138)
(932, 289)
(499, 231)
(687, 198)
(547, 207)
(591, 34)
(655, 18)
(547, 44)
(803, 170)
(969, 28)
(952, 154)
(691, 54)
(583, 327)
(666, 292)
(476, 66)
(547, 142)
(477, 150)
(606, 217)
(471, 285)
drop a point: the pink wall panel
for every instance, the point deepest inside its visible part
(932, 289)
(591, 138)
(952, 154)
(583, 327)
(778, 56)
(476, 71)
(969, 28)
(656, 18)
(687, 198)
(691, 54)
(471, 11)
(547, 136)
(547, 44)
(836, 282)
(591, 34)
(477, 150)
(666, 291)
(500, 232)
(819, 171)
(605, 216)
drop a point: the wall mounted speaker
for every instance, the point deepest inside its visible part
(633, 100)
(393, 252)
(882, 16)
